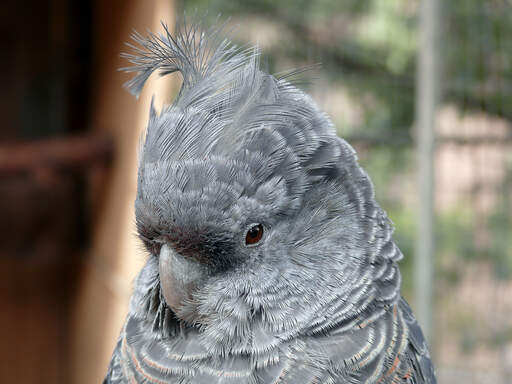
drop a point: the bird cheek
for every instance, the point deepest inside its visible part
(179, 277)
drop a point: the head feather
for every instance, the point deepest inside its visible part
(195, 53)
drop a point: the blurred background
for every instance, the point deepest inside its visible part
(422, 90)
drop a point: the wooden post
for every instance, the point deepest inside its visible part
(427, 99)
(115, 257)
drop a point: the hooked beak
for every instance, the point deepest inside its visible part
(179, 278)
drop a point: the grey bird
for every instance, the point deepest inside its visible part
(269, 260)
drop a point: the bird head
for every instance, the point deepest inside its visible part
(248, 203)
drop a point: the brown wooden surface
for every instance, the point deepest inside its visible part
(45, 214)
(68, 251)
(61, 153)
(104, 284)
(34, 325)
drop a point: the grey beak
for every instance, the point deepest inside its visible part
(179, 278)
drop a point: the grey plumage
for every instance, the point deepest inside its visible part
(317, 299)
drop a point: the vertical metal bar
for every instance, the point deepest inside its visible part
(426, 104)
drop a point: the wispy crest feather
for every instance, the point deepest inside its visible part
(225, 95)
(194, 52)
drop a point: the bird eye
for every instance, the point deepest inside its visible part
(254, 234)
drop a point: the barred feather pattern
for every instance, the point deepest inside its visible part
(318, 301)
(383, 351)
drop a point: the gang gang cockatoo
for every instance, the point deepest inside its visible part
(269, 260)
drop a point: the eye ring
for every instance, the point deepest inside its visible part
(254, 234)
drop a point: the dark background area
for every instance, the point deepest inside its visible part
(45, 76)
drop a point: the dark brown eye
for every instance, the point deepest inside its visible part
(254, 234)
